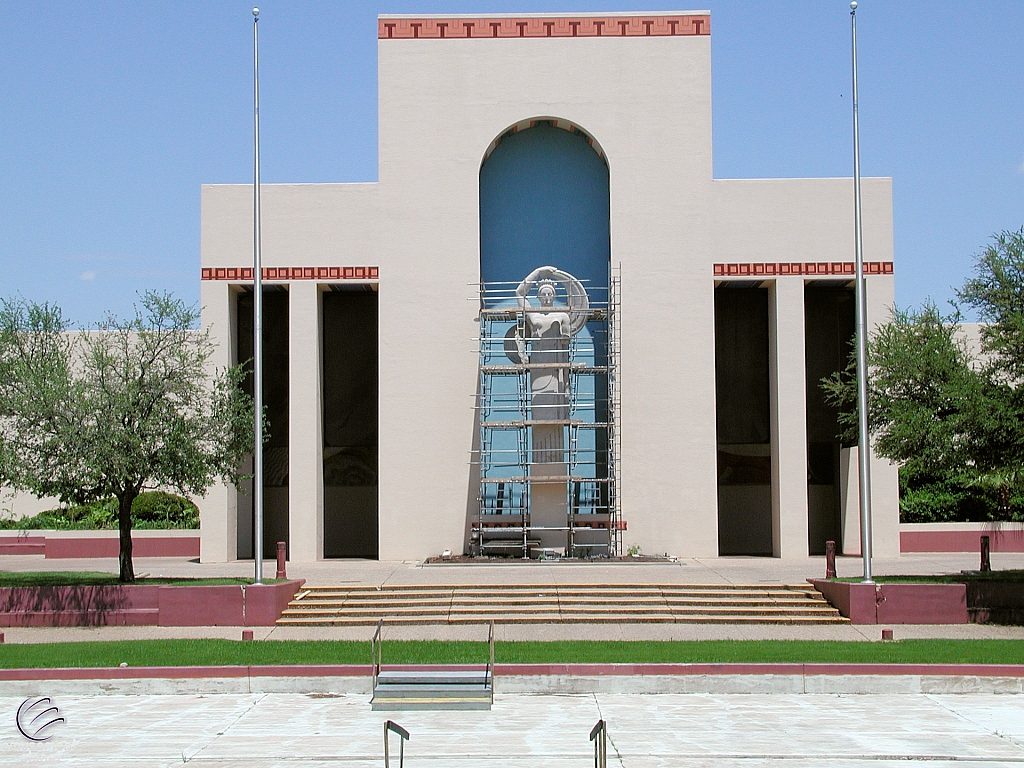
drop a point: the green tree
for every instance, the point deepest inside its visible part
(133, 405)
(934, 408)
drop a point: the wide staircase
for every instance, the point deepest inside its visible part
(560, 604)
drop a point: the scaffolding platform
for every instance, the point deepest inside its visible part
(524, 460)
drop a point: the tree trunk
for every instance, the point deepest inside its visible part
(124, 524)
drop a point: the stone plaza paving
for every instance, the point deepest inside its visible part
(662, 730)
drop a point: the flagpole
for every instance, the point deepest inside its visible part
(257, 275)
(863, 436)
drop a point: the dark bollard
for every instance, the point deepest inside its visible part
(830, 559)
(281, 574)
(246, 634)
(986, 554)
(1, 637)
(887, 634)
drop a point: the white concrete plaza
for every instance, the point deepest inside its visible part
(263, 730)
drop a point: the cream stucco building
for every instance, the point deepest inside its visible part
(582, 143)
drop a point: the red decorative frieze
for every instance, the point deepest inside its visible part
(392, 28)
(244, 274)
(801, 268)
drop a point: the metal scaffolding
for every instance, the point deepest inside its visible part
(579, 449)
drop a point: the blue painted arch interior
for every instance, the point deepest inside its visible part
(544, 200)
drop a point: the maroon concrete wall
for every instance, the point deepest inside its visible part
(107, 546)
(202, 606)
(165, 546)
(22, 545)
(150, 604)
(922, 604)
(897, 603)
(997, 602)
(113, 605)
(961, 541)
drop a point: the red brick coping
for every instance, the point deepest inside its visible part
(518, 670)
(244, 274)
(468, 27)
(801, 268)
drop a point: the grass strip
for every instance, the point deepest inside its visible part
(1012, 576)
(213, 652)
(102, 579)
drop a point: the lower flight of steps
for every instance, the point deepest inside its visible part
(560, 604)
(407, 690)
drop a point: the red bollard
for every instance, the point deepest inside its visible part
(830, 559)
(246, 634)
(887, 634)
(1, 637)
(986, 554)
(281, 574)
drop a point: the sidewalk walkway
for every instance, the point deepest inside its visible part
(649, 731)
(513, 632)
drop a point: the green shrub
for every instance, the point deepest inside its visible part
(956, 499)
(153, 509)
(157, 509)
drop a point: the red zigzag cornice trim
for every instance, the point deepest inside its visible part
(457, 28)
(801, 268)
(244, 274)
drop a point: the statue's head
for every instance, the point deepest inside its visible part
(546, 292)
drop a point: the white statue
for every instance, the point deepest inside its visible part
(548, 328)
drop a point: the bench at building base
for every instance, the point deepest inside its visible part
(177, 542)
(237, 605)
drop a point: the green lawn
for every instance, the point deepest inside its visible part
(98, 578)
(232, 652)
(1014, 576)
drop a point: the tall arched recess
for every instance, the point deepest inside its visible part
(545, 403)
(544, 201)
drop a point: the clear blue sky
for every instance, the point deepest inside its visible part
(112, 114)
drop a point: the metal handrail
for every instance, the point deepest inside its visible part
(404, 734)
(599, 735)
(376, 652)
(489, 676)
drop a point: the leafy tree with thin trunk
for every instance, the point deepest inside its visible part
(134, 404)
(935, 408)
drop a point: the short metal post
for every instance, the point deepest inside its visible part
(986, 554)
(830, 559)
(281, 570)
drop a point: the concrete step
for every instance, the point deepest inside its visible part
(429, 703)
(595, 607)
(502, 618)
(432, 677)
(560, 603)
(431, 690)
(522, 595)
(468, 588)
(455, 691)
